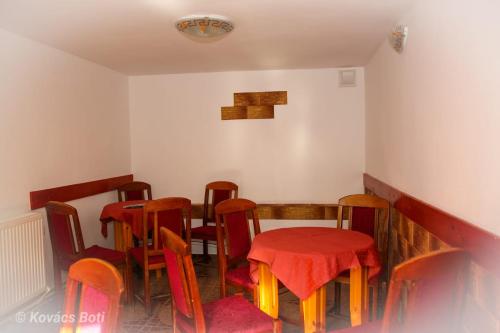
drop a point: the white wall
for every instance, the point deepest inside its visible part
(63, 120)
(313, 151)
(433, 112)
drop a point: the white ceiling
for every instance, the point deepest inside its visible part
(139, 36)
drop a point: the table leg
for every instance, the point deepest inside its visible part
(313, 311)
(268, 291)
(117, 226)
(359, 295)
(123, 236)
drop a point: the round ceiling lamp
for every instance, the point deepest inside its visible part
(204, 27)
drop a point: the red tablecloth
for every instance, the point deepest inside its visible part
(116, 212)
(304, 259)
(171, 219)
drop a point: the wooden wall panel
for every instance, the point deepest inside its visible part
(286, 211)
(418, 228)
(260, 98)
(39, 198)
(484, 246)
(247, 112)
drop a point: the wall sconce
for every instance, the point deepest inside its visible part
(398, 37)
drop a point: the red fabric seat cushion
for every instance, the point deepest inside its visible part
(109, 255)
(240, 276)
(138, 254)
(112, 256)
(230, 314)
(208, 232)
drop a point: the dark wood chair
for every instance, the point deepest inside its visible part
(215, 192)
(368, 214)
(134, 191)
(426, 294)
(172, 213)
(226, 315)
(234, 242)
(68, 247)
(93, 290)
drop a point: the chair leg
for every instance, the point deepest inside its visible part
(174, 321)
(277, 327)
(57, 277)
(374, 309)
(337, 298)
(130, 283)
(222, 287)
(147, 292)
(205, 248)
(256, 295)
(158, 275)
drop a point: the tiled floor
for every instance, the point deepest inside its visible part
(134, 319)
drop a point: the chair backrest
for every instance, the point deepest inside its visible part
(93, 291)
(182, 279)
(368, 214)
(63, 220)
(233, 230)
(216, 192)
(134, 191)
(173, 213)
(426, 293)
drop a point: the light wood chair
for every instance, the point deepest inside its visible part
(68, 246)
(368, 214)
(426, 294)
(92, 298)
(134, 191)
(215, 192)
(234, 242)
(173, 213)
(226, 315)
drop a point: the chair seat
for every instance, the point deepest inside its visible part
(109, 255)
(370, 327)
(138, 254)
(207, 232)
(112, 256)
(240, 276)
(230, 314)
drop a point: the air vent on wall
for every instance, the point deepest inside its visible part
(347, 78)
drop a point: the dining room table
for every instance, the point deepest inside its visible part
(304, 260)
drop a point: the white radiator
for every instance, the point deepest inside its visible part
(22, 261)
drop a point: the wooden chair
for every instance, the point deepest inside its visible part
(226, 315)
(93, 291)
(67, 247)
(426, 294)
(172, 213)
(234, 242)
(215, 192)
(134, 191)
(368, 214)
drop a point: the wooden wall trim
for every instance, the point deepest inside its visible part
(483, 245)
(39, 198)
(285, 211)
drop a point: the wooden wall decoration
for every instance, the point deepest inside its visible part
(419, 228)
(254, 105)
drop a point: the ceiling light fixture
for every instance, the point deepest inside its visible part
(204, 27)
